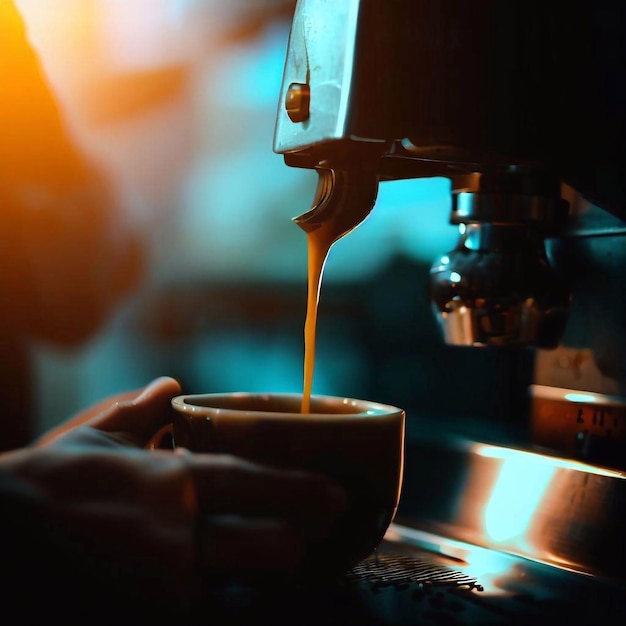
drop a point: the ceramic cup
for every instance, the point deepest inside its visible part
(357, 442)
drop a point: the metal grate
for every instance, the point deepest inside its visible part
(399, 570)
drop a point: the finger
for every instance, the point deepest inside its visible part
(86, 416)
(95, 409)
(228, 542)
(140, 418)
(227, 484)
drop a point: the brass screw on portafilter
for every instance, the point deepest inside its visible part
(497, 288)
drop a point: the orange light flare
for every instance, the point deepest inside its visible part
(522, 494)
(513, 504)
(509, 507)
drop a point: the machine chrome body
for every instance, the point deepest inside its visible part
(510, 101)
(522, 106)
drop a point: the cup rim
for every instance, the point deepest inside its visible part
(188, 404)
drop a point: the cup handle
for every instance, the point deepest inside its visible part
(162, 439)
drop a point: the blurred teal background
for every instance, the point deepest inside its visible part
(177, 101)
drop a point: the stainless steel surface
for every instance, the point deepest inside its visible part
(523, 502)
(320, 54)
(491, 202)
(497, 288)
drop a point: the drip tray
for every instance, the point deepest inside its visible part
(419, 576)
(414, 580)
(400, 570)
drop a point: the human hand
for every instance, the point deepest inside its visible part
(173, 514)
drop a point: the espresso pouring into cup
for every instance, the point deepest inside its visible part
(358, 443)
(343, 199)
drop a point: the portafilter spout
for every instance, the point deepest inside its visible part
(343, 199)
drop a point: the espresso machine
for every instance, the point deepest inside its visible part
(521, 105)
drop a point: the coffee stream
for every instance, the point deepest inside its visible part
(319, 242)
(343, 199)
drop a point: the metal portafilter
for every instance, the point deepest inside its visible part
(497, 288)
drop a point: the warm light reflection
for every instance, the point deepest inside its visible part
(580, 397)
(496, 452)
(487, 566)
(515, 497)
(522, 488)
(516, 503)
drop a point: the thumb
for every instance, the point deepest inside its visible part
(141, 417)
